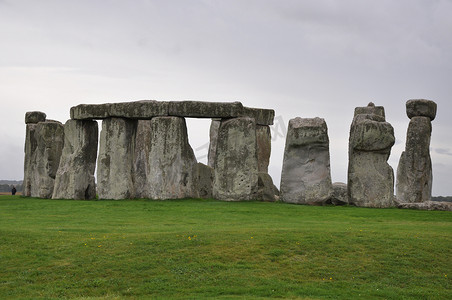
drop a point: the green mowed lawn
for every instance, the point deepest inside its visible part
(212, 249)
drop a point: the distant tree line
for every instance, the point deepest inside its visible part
(8, 187)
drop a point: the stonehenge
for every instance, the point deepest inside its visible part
(144, 152)
(414, 172)
(370, 177)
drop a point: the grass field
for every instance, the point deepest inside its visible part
(210, 249)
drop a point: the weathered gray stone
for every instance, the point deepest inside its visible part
(171, 161)
(267, 191)
(421, 108)
(428, 205)
(339, 196)
(31, 144)
(33, 117)
(214, 126)
(201, 109)
(90, 111)
(260, 115)
(43, 146)
(264, 140)
(370, 109)
(144, 109)
(236, 167)
(306, 177)
(370, 135)
(142, 151)
(75, 176)
(205, 175)
(147, 109)
(370, 177)
(115, 162)
(414, 172)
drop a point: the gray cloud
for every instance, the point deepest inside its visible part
(444, 151)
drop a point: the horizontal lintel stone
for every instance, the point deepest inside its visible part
(147, 109)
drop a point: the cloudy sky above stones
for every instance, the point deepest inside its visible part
(302, 58)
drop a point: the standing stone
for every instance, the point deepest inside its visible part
(264, 140)
(43, 146)
(31, 143)
(236, 166)
(75, 175)
(30, 147)
(370, 177)
(141, 158)
(214, 126)
(115, 162)
(306, 176)
(205, 175)
(267, 191)
(171, 161)
(414, 172)
(339, 196)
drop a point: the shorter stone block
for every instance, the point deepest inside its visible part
(266, 191)
(340, 196)
(306, 176)
(33, 117)
(205, 175)
(421, 108)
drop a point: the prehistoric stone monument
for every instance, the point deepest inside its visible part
(306, 176)
(43, 146)
(370, 177)
(414, 172)
(144, 152)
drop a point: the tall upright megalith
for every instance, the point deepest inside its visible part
(171, 163)
(370, 177)
(306, 176)
(31, 143)
(236, 165)
(414, 172)
(141, 158)
(115, 161)
(43, 146)
(75, 176)
(213, 135)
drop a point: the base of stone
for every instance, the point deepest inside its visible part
(428, 205)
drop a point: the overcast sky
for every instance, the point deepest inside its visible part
(301, 58)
